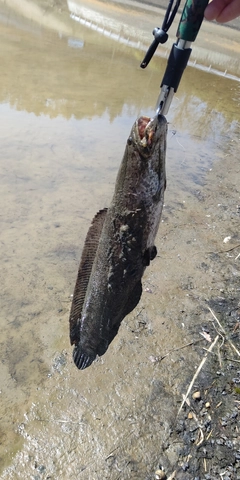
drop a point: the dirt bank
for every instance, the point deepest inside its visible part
(68, 102)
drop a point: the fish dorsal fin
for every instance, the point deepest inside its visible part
(84, 272)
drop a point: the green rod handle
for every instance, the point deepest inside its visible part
(191, 19)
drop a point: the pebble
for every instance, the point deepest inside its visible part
(160, 475)
(227, 239)
(196, 395)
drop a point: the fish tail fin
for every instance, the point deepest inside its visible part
(82, 359)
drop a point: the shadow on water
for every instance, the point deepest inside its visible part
(67, 105)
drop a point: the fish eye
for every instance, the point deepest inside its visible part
(129, 141)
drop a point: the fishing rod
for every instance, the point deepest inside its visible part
(188, 28)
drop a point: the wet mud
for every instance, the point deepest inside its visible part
(66, 112)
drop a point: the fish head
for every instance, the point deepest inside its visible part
(143, 173)
(149, 135)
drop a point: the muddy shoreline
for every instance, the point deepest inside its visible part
(67, 111)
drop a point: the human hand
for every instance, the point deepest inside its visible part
(222, 10)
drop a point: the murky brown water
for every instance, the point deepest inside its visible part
(68, 102)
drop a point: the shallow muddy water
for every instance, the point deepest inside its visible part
(68, 100)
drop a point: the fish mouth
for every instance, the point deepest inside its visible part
(142, 124)
(146, 129)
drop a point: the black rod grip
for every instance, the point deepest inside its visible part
(176, 65)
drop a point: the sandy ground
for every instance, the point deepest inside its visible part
(66, 114)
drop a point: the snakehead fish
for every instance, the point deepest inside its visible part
(120, 244)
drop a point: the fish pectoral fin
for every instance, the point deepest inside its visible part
(149, 255)
(82, 359)
(84, 272)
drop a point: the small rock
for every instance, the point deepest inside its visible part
(41, 468)
(153, 359)
(207, 405)
(227, 239)
(185, 466)
(196, 395)
(160, 475)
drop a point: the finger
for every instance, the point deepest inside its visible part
(215, 8)
(231, 11)
(222, 10)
